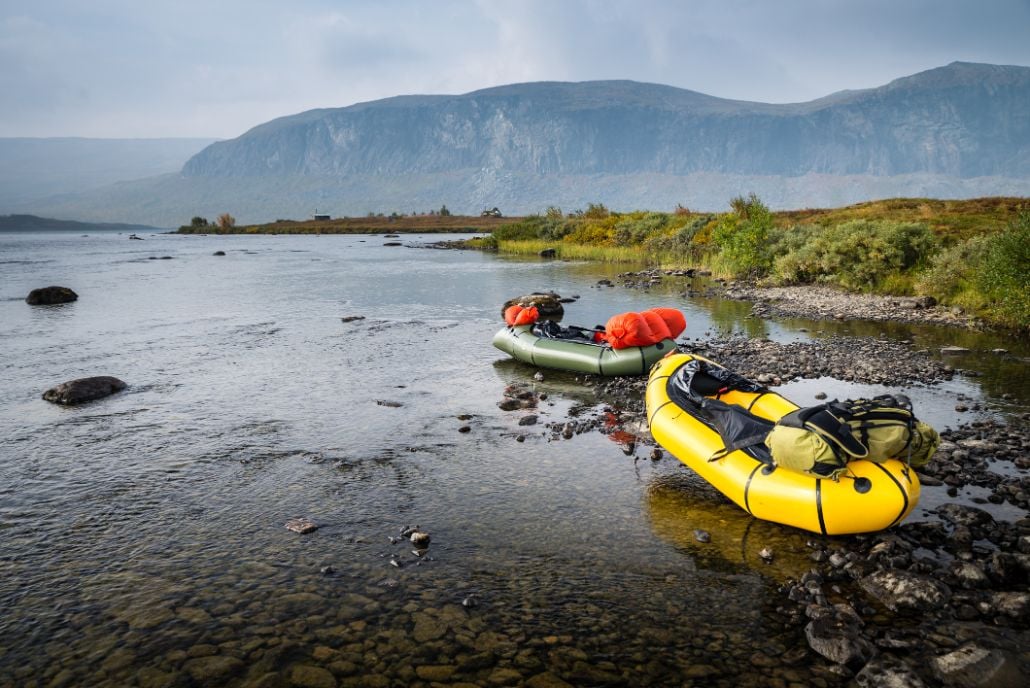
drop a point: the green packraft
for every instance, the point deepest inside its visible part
(822, 439)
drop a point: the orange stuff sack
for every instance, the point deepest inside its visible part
(527, 316)
(512, 312)
(628, 329)
(674, 320)
(658, 327)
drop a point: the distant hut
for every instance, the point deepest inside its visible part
(493, 212)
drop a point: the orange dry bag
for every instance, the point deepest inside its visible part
(527, 316)
(512, 312)
(628, 329)
(674, 320)
(659, 330)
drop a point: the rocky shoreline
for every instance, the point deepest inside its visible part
(815, 302)
(942, 601)
(824, 303)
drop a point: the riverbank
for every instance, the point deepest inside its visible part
(939, 600)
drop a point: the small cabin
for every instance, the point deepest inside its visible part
(317, 216)
(493, 212)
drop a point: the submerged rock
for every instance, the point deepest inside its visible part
(301, 525)
(49, 296)
(83, 389)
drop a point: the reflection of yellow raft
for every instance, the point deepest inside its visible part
(870, 497)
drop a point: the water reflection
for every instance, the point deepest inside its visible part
(679, 505)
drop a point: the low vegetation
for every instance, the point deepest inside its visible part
(972, 254)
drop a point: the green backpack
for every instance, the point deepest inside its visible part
(822, 439)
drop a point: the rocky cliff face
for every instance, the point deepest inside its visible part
(964, 120)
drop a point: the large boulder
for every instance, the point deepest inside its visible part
(84, 389)
(548, 304)
(49, 296)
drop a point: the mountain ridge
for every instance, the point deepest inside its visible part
(957, 131)
(939, 122)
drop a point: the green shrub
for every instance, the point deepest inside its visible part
(1004, 273)
(742, 237)
(858, 255)
(952, 270)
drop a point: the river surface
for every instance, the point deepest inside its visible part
(143, 538)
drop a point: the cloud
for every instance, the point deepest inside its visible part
(192, 68)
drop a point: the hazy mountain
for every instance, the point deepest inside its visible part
(957, 131)
(32, 168)
(960, 120)
(32, 223)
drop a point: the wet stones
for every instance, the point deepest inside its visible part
(83, 389)
(213, 670)
(50, 296)
(857, 359)
(823, 303)
(519, 396)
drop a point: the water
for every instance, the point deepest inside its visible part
(143, 538)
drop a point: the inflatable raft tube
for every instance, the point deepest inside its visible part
(871, 497)
(579, 357)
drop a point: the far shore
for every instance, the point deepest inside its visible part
(378, 224)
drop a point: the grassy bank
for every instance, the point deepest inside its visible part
(974, 254)
(378, 224)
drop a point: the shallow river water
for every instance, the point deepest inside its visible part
(143, 538)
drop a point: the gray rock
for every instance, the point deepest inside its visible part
(964, 515)
(837, 639)
(49, 296)
(83, 389)
(952, 350)
(968, 574)
(548, 253)
(218, 253)
(972, 665)
(1012, 604)
(901, 591)
(528, 420)
(886, 671)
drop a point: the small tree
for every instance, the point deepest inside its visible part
(743, 237)
(226, 221)
(198, 221)
(443, 211)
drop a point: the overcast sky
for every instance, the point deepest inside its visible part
(149, 68)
